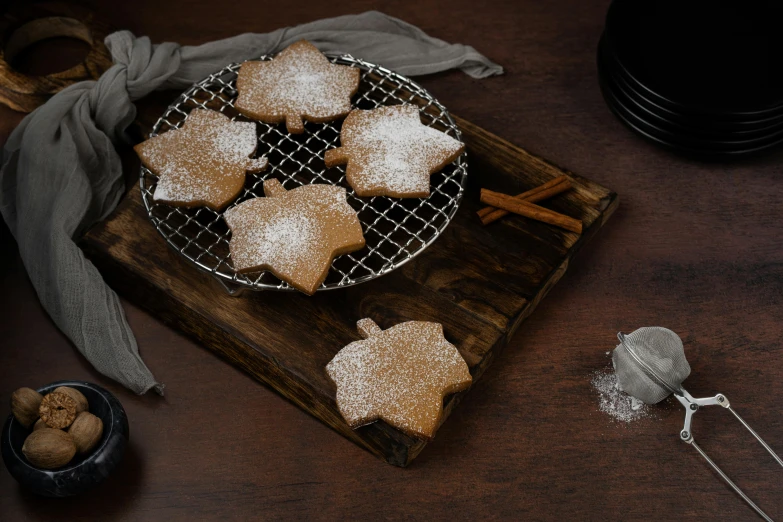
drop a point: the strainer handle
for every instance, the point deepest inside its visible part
(729, 481)
(692, 405)
(761, 441)
(719, 400)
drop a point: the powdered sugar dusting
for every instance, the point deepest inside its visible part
(401, 375)
(394, 153)
(300, 81)
(204, 162)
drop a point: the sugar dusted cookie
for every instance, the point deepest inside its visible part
(204, 162)
(299, 83)
(399, 375)
(389, 152)
(294, 234)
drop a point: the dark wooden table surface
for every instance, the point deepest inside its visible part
(695, 247)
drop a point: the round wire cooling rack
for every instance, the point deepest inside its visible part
(395, 230)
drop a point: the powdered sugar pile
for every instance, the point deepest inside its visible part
(615, 402)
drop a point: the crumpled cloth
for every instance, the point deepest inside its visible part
(61, 174)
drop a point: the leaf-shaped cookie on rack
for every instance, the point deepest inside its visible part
(294, 234)
(299, 83)
(204, 162)
(389, 152)
(399, 375)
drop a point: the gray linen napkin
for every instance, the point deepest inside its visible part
(61, 173)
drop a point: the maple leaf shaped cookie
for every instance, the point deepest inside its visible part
(389, 152)
(299, 83)
(204, 162)
(399, 375)
(294, 234)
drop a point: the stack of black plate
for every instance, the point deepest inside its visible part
(701, 77)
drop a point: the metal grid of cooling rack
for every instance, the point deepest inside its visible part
(395, 230)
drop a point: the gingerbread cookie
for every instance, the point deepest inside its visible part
(294, 234)
(204, 162)
(299, 83)
(399, 375)
(389, 152)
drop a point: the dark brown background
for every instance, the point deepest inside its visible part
(695, 247)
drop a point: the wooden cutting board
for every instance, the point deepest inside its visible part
(479, 282)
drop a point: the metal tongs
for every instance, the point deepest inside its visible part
(692, 405)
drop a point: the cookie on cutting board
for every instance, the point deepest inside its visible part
(399, 375)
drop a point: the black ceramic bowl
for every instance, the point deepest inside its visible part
(83, 472)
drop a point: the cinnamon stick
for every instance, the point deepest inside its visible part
(547, 190)
(527, 209)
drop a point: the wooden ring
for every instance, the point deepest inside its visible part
(25, 93)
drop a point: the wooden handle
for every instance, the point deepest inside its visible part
(35, 23)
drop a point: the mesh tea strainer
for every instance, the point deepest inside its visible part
(650, 365)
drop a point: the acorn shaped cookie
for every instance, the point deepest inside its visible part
(400, 375)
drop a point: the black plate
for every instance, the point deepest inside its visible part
(727, 119)
(671, 133)
(619, 105)
(683, 150)
(678, 124)
(709, 125)
(673, 142)
(719, 57)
